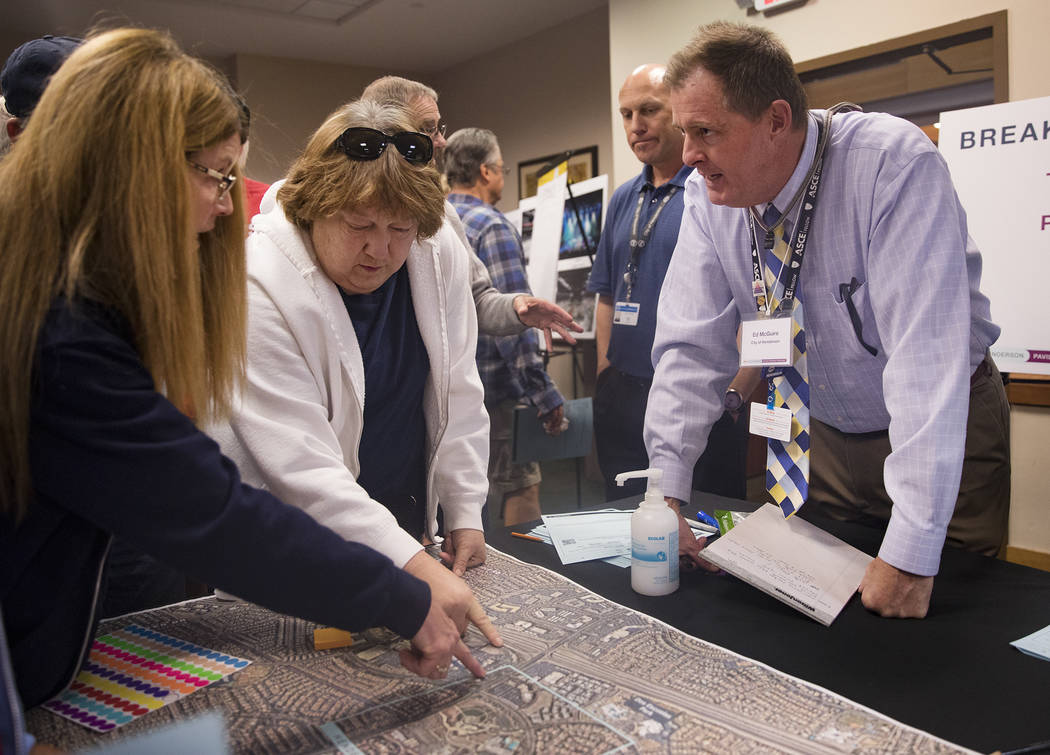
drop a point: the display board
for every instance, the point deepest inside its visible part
(999, 156)
(560, 235)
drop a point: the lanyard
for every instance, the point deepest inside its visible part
(763, 297)
(638, 242)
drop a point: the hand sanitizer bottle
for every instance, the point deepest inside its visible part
(654, 539)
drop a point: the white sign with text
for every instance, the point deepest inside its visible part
(999, 157)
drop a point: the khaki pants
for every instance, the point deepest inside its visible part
(846, 480)
(504, 475)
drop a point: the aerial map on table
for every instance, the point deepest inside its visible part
(579, 674)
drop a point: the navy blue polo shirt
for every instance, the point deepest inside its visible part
(392, 452)
(630, 346)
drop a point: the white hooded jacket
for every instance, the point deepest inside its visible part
(297, 424)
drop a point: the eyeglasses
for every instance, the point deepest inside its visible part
(437, 128)
(360, 143)
(225, 180)
(500, 168)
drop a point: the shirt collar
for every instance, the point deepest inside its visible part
(805, 162)
(459, 198)
(645, 178)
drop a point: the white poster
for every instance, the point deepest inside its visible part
(999, 156)
(542, 254)
(561, 243)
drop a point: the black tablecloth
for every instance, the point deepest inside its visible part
(953, 674)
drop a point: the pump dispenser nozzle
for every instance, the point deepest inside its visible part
(653, 492)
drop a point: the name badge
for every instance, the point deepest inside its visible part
(626, 313)
(765, 342)
(770, 423)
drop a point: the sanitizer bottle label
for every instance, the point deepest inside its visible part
(658, 555)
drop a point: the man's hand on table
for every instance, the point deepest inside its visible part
(453, 596)
(689, 546)
(892, 593)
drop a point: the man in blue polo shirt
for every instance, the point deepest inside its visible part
(641, 230)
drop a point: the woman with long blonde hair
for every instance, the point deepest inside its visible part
(122, 298)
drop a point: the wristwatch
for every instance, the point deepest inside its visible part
(733, 400)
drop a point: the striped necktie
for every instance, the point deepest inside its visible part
(787, 463)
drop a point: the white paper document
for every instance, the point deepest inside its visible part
(1036, 644)
(587, 536)
(540, 531)
(792, 560)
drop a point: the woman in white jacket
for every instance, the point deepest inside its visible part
(362, 403)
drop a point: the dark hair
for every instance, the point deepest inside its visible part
(751, 62)
(244, 126)
(467, 150)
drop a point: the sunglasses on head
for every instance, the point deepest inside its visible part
(360, 143)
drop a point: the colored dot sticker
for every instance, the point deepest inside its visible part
(134, 670)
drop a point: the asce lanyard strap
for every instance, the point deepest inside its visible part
(638, 242)
(798, 250)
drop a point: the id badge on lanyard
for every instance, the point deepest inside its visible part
(766, 342)
(626, 312)
(766, 338)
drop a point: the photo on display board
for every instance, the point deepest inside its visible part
(574, 298)
(527, 217)
(582, 225)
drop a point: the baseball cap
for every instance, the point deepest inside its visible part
(29, 68)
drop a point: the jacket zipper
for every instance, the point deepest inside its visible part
(89, 631)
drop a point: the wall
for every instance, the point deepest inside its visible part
(289, 100)
(1030, 503)
(522, 92)
(542, 95)
(652, 31)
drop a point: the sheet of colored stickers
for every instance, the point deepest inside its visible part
(134, 670)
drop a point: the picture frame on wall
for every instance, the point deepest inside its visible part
(583, 164)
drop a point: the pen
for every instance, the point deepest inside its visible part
(527, 537)
(707, 519)
(701, 527)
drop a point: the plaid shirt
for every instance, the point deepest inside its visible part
(510, 366)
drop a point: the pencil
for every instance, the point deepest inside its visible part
(527, 537)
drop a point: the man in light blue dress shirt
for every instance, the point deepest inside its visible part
(897, 329)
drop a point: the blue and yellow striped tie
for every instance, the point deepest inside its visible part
(787, 463)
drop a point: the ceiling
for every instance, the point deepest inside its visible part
(422, 36)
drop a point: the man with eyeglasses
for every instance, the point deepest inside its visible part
(499, 314)
(839, 245)
(510, 366)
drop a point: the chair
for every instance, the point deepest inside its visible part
(530, 442)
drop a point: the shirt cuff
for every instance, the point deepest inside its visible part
(677, 481)
(547, 401)
(912, 549)
(398, 546)
(463, 517)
